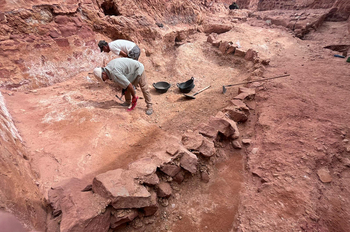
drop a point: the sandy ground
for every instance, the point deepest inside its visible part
(299, 124)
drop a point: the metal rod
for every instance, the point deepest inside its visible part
(247, 82)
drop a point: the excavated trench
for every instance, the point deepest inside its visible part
(201, 165)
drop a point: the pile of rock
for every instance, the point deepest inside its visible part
(117, 197)
(227, 47)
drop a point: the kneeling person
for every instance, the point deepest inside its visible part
(126, 73)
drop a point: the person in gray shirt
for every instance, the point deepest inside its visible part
(126, 72)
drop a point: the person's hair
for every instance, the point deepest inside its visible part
(101, 44)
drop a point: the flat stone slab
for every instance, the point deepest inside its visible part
(119, 186)
(81, 211)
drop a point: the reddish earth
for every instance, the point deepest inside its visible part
(293, 176)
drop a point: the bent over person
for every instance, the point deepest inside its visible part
(121, 47)
(125, 73)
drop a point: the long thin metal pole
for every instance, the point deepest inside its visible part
(265, 79)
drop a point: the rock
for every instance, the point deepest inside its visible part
(159, 24)
(231, 49)
(236, 144)
(87, 188)
(192, 140)
(62, 42)
(246, 141)
(137, 223)
(144, 167)
(216, 43)
(255, 150)
(54, 198)
(245, 93)
(62, 19)
(207, 148)
(216, 28)
(239, 52)
(164, 190)
(85, 32)
(250, 55)
(152, 209)
(81, 211)
(119, 187)
(68, 30)
(207, 130)
(64, 9)
(54, 34)
(172, 149)
(240, 105)
(179, 177)
(346, 162)
(122, 216)
(265, 62)
(222, 125)
(151, 179)
(170, 169)
(236, 114)
(230, 129)
(212, 37)
(323, 174)
(224, 46)
(189, 161)
(205, 177)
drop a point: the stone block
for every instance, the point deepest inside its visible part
(189, 161)
(164, 190)
(119, 187)
(81, 211)
(207, 149)
(170, 169)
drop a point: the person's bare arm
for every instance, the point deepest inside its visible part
(123, 54)
(132, 91)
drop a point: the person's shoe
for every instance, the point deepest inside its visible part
(149, 111)
(126, 104)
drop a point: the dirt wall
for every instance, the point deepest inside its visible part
(18, 193)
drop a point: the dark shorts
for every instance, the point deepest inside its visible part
(134, 53)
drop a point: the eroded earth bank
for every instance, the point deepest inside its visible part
(272, 155)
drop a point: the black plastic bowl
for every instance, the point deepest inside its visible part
(186, 87)
(161, 86)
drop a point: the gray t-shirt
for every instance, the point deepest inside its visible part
(124, 71)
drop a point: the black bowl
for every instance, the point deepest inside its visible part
(186, 87)
(161, 86)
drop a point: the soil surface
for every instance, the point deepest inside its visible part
(299, 126)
